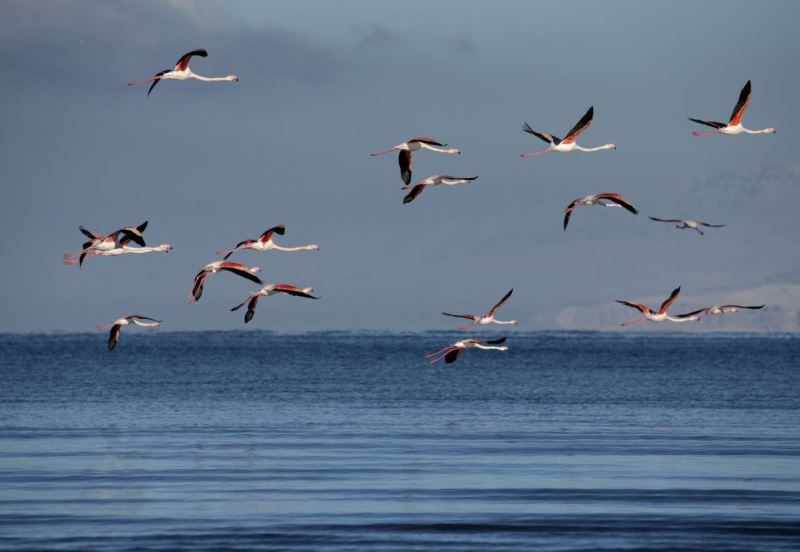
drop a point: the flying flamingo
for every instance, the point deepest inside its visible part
(182, 72)
(716, 311)
(734, 125)
(693, 224)
(99, 242)
(116, 326)
(265, 243)
(605, 199)
(436, 180)
(211, 268)
(451, 352)
(266, 291)
(488, 318)
(652, 315)
(116, 252)
(568, 144)
(405, 160)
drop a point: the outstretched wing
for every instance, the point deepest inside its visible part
(156, 80)
(183, 63)
(755, 307)
(643, 308)
(415, 191)
(113, 336)
(472, 317)
(452, 356)
(406, 165)
(664, 220)
(267, 235)
(426, 140)
(499, 341)
(693, 313)
(580, 127)
(671, 299)
(619, 200)
(500, 303)
(741, 106)
(712, 124)
(710, 225)
(294, 290)
(89, 234)
(549, 138)
(241, 270)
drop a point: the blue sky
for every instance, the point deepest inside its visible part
(324, 84)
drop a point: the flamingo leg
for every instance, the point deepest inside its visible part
(698, 133)
(433, 358)
(535, 153)
(377, 153)
(634, 321)
(468, 326)
(142, 81)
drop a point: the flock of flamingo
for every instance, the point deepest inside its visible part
(130, 239)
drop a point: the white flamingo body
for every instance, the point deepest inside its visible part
(182, 72)
(116, 326)
(734, 125)
(217, 266)
(649, 315)
(405, 159)
(100, 244)
(265, 242)
(267, 291)
(451, 353)
(569, 143)
(488, 318)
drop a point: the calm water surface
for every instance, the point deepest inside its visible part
(338, 441)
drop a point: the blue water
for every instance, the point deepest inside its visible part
(254, 440)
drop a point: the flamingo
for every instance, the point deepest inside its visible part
(404, 158)
(654, 316)
(734, 125)
(716, 311)
(211, 268)
(116, 252)
(182, 72)
(99, 242)
(605, 199)
(266, 291)
(116, 326)
(488, 318)
(436, 180)
(265, 243)
(693, 224)
(568, 144)
(451, 352)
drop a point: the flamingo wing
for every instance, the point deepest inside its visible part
(473, 317)
(710, 225)
(183, 62)
(500, 303)
(712, 124)
(452, 356)
(619, 200)
(665, 220)
(199, 283)
(499, 341)
(693, 313)
(113, 336)
(741, 106)
(293, 290)
(671, 299)
(426, 140)
(754, 307)
(267, 235)
(549, 138)
(241, 270)
(156, 80)
(406, 165)
(89, 234)
(643, 308)
(415, 191)
(580, 127)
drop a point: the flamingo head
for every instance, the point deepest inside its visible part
(232, 78)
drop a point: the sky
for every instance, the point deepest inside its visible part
(323, 84)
